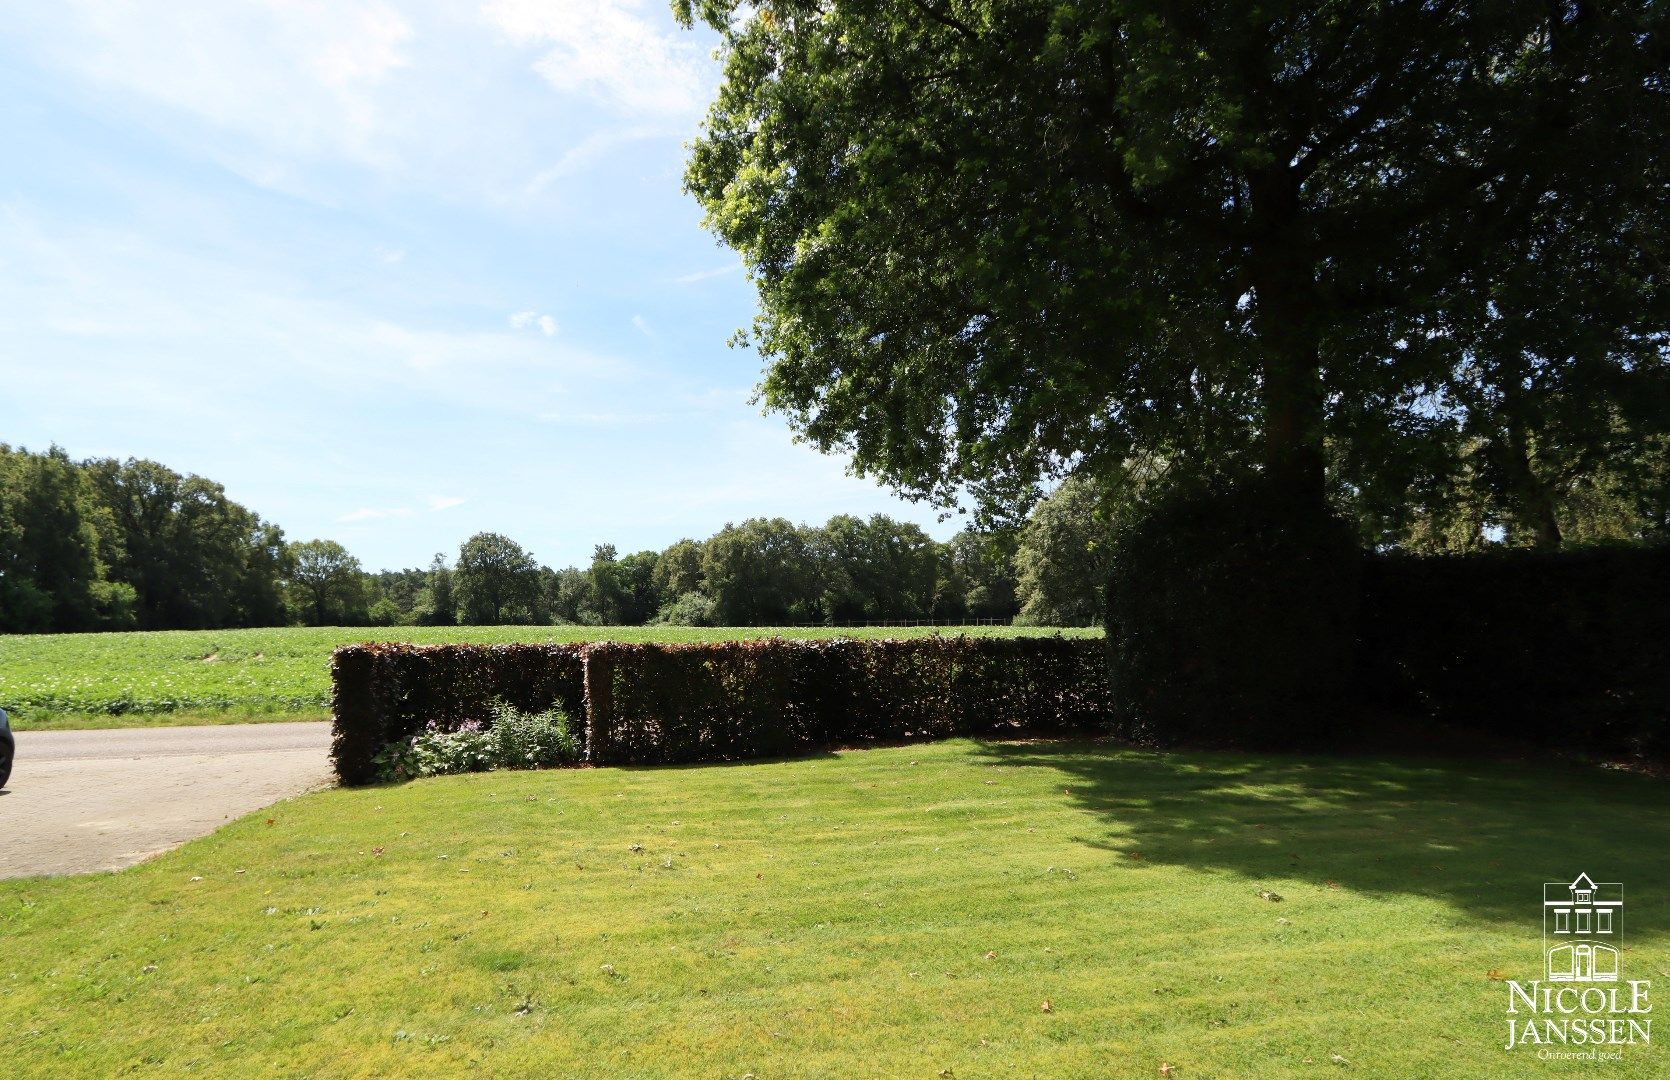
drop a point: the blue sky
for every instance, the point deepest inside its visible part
(393, 273)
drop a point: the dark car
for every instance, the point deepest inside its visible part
(8, 745)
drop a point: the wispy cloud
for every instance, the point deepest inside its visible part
(300, 76)
(611, 51)
(389, 256)
(444, 502)
(590, 150)
(703, 275)
(375, 513)
(644, 327)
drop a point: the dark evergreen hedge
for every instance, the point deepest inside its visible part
(1232, 621)
(1568, 650)
(725, 700)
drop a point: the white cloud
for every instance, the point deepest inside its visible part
(528, 320)
(644, 327)
(444, 502)
(300, 75)
(390, 256)
(610, 51)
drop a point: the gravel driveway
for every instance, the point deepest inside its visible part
(100, 800)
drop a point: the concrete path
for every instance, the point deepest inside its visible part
(80, 801)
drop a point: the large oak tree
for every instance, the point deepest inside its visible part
(998, 239)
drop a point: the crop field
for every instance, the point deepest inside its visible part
(282, 673)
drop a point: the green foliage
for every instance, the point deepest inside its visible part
(689, 609)
(385, 612)
(760, 573)
(55, 542)
(325, 584)
(193, 557)
(1001, 241)
(622, 590)
(977, 575)
(678, 569)
(495, 581)
(1232, 620)
(440, 607)
(1064, 557)
(385, 693)
(875, 569)
(510, 739)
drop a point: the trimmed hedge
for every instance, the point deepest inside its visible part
(718, 702)
(723, 701)
(382, 693)
(1569, 650)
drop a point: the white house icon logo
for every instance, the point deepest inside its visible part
(1582, 925)
(1582, 1009)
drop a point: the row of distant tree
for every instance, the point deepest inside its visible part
(106, 544)
(763, 572)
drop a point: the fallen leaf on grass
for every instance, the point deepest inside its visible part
(1046, 1007)
(1167, 1068)
(1337, 1060)
(1266, 894)
(1495, 976)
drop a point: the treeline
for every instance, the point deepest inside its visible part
(103, 544)
(763, 572)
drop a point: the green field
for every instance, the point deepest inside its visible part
(899, 912)
(229, 676)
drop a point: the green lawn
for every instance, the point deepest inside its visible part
(242, 676)
(893, 912)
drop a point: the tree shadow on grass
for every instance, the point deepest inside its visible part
(1482, 836)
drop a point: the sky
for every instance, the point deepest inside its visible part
(393, 273)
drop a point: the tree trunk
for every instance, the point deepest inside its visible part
(1292, 382)
(1293, 447)
(1284, 302)
(1533, 501)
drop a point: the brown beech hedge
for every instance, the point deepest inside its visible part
(654, 704)
(382, 693)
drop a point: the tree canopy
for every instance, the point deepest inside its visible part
(495, 581)
(996, 240)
